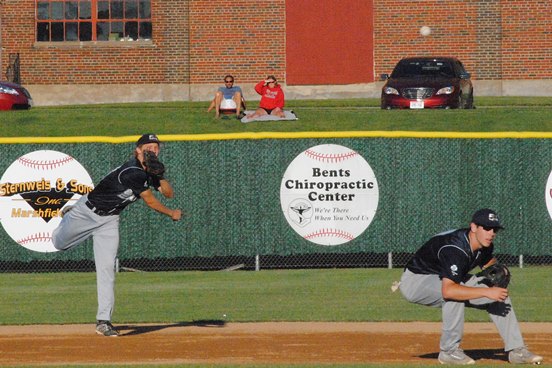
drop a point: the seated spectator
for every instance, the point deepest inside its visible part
(228, 98)
(272, 98)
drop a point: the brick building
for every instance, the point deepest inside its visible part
(89, 51)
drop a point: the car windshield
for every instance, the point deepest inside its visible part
(429, 68)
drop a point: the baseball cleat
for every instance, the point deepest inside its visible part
(105, 328)
(456, 357)
(523, 356)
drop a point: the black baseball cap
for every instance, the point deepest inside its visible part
(147, 138)
(486, 217)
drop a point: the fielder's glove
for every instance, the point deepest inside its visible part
(154, 167)
(495, 275)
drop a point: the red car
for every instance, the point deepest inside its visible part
(14, 97)
(427, 83)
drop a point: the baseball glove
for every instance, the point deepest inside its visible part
(154, 167)
(495, 275)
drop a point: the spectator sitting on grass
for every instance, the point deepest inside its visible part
(228, 97)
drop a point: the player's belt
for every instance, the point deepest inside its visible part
(97, 211)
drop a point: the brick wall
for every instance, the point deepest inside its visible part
(245, 38)
(527, 39)
(161, 61)
(397, 31)
(488, 54)
(199, 41)
(495, 39)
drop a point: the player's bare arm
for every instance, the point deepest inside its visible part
(153, 203)
(490, 263)
(166, 189)
(453, 291)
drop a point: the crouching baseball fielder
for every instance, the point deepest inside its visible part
(437, 276)
(96, 215)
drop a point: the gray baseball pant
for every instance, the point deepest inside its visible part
(426, 290)
(80, 224)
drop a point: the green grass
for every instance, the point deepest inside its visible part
(492, 114)
(242, 296)
(245, 296)
(239, 296)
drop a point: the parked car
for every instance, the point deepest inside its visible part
(14, 97)
(427, 82)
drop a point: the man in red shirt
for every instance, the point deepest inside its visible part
(272, 98)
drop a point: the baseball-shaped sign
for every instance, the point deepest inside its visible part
(548, 194)
(329, 194)
(33, 190)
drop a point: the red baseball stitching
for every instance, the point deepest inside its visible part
(331, 233)
(330, 157)
(44, 165)
(38, 237)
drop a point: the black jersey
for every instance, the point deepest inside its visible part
(119, 188)
(449, 255)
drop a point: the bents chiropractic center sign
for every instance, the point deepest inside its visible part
(329, 194)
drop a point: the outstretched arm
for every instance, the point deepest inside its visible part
(154, 204)
(165, 188)
(162, 185)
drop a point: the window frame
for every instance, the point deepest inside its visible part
(45, 25)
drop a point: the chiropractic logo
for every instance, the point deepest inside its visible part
(33, 190)
(329, 194)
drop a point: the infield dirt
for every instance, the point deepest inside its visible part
(216, 342)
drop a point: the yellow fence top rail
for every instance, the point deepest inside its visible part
(283, 135)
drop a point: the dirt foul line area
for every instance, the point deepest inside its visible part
(213, 342)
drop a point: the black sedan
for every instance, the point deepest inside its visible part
(427, 83)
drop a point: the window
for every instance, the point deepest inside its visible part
(92, 20)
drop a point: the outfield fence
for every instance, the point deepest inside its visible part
(230, 191)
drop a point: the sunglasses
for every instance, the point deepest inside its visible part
(488, 228)
(227, 81)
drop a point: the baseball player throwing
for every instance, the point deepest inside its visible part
(96, 215)
(437, 276)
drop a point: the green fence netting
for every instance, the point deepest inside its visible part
(230, 191)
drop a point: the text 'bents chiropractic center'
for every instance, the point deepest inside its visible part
(329, 186)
